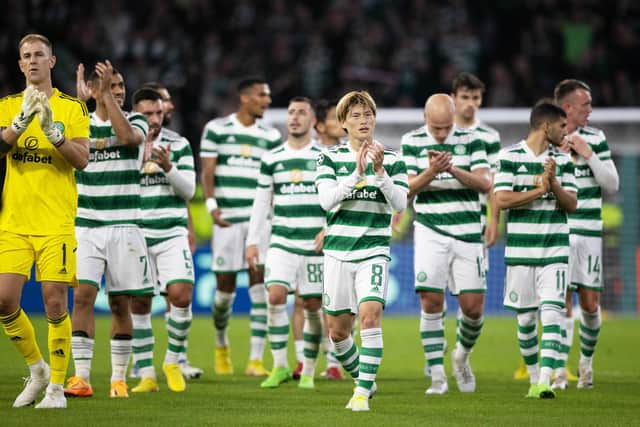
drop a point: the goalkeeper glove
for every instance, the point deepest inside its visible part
(45, 117)
(30, 106)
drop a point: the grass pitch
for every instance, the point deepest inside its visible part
(238, 400)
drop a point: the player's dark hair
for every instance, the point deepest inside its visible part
(303, 99)
(545, 111)
(567, 87)
(153, 85)
(466, 80)
(322, 107)
(145, 94)
(247, 83)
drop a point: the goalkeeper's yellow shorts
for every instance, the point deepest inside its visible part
(54, 256)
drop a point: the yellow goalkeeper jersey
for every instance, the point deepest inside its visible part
(39, 196)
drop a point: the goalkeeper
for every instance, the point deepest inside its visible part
(44, 136)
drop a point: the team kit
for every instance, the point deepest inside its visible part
(310, 215)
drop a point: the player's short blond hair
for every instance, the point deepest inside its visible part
(35, 38)
(350, 100)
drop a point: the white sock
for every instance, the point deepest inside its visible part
(82, 352)
(120, 353)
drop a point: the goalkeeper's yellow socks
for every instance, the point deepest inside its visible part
(59, 340)
(20, 331)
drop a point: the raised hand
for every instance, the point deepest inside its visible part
(30, 107)
(550, 170)
(45, 116)
(376, 154)
(440, 161)
(104, 70)
(361, 159)
(162, 156)
(580, 146)
(83, 92)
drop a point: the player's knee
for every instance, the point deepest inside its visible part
(338, 335)
(527, 318)
(277, 294)
(368, 321)
(8, 306)
(83, 298)
(141, 305)
(473, 313)
(312, 304)
(182, 300)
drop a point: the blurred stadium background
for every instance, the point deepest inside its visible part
(401, 51)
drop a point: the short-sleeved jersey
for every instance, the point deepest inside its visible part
(39, 195)
(238, 150)
(109, 187)
(288, 175)
(587, 219)
(538, 232)
(164, 213)
(359, 227)
(491, 139)
(447, 206)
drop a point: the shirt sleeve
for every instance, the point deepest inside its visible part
(409, 156)
(478, 155)
(78, 126)
(503, 180)
(209, 142)
(567, 171)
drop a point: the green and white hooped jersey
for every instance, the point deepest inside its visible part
(447, 206)
(537, 233)
(359, 227)
(164, 213)
(289, 175)
(491, 139)
(238, 150)
(587, 220)
(109, 187)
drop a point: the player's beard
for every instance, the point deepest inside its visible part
(166, 121)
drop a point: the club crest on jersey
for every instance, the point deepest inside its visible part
(245, 150)
(537, 180)
(262, 143)
(421, 276)
(311, 165)
(150, 167)
(60, 126)
(460, 149)
(101, 143)
(295, 176)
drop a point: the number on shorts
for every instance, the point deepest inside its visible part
(143, 260)
(481, 272)
(376, 274)
(188, 262)
(314, 273)
(561, 283)
(593, 264)
(64, 256)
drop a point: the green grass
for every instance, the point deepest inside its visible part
(238, 400)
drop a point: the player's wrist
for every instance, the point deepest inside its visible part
(211, 204)
(54, 136)
(20, 123)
